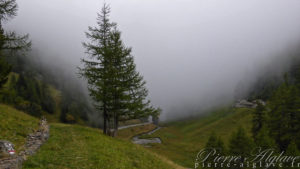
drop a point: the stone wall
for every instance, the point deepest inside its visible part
(33, 143)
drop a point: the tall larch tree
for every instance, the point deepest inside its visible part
(114, 84)
(96, 65)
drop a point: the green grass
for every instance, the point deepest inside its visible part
(183, 140)
(74, 146)
(15, 126)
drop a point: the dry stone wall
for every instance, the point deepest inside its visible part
(33, 143)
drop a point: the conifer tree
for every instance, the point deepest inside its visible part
(9, 41)
(292, 150)
(240, 145)
(259, 119)
(95, 70)
(117, 88)
(264, 141)
(284, 118)
(217, 144)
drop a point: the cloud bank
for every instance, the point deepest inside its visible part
(192, 53)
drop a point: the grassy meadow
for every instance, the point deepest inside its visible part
(16, 125)
(181, 141)
(74, 146)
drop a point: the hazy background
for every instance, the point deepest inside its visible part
(192, 53)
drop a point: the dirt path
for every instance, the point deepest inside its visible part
(133, 125)
(145, 141)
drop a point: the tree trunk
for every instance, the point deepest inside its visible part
(105, 121)
(116, 119)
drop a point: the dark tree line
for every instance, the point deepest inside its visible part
(279, 120)
(28, 94)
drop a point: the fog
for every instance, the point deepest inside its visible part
(192, 53)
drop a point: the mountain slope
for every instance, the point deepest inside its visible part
(75, 146)
(16, 125)
(38, 97)
(181, 141)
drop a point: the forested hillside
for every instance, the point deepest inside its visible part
(33, 89)
(274, 125)
(28, 85)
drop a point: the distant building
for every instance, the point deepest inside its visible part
(248, 104)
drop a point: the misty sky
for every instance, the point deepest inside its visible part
(192, 53)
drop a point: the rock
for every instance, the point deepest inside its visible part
(7, 147)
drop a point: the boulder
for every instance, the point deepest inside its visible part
(7, 148)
